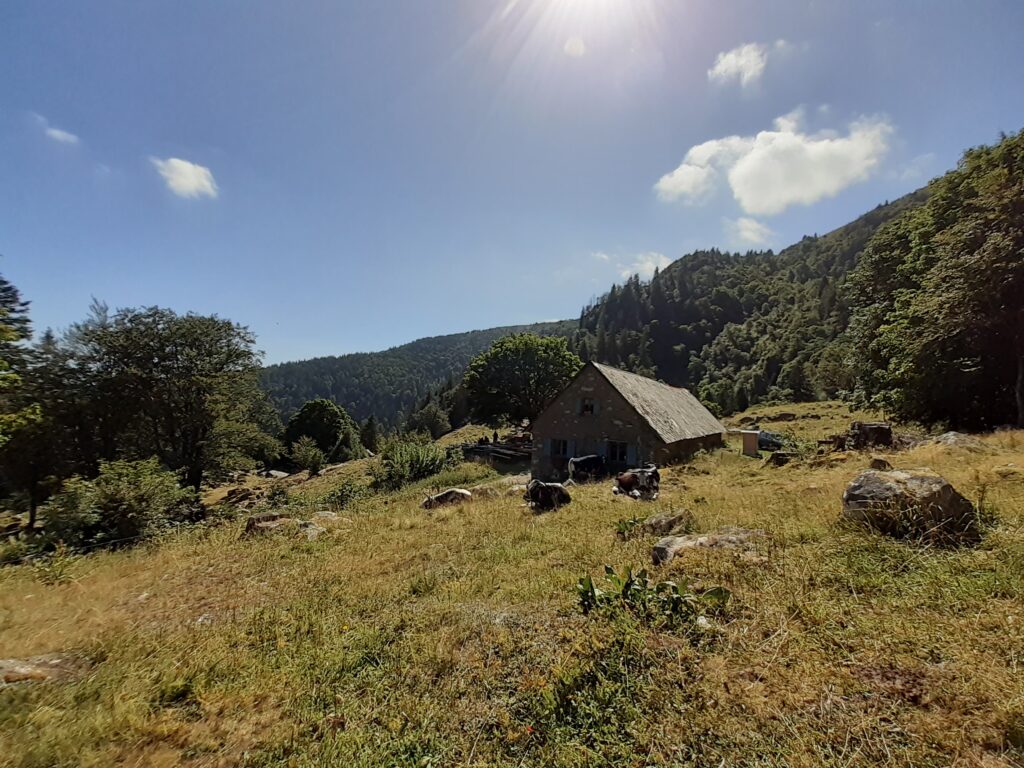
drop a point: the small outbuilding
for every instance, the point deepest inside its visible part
(626, 418)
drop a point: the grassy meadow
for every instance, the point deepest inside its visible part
(407, 638)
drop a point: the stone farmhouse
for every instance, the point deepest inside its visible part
(626, 418)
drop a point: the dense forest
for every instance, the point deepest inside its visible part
(387, 384)
(738, 329)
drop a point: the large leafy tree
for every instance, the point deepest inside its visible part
(431, 418)
(938, 325)
(518, 376)
(186, 387)
(323, 421)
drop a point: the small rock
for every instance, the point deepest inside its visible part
(35, 669)
(267, 522)
(880, 463)
(204, 621)
(325, 515)
(261, 518)
(1009, 472)
(310, 531)
(728, 537)
(666, 523)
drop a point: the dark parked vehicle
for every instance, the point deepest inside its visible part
(769, 441)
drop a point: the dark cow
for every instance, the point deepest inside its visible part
(586, 467)
(639, 483)
(444, 498)
(544, 496)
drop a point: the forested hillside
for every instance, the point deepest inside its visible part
(387, 384)
(739, 328)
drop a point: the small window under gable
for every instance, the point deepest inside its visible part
(588, 406)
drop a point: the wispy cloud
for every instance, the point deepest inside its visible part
(644, 264)
(53, 132)
(600, 256)
(748, 231)
(744, 64)
(781, 167)
(186, 179)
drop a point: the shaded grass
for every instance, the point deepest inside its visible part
(454, 638)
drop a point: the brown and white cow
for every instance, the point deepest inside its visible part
(639, 483)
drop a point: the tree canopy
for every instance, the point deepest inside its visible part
(938, 299)
(138, 384)
(518, 376)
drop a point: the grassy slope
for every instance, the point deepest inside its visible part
(411, 639)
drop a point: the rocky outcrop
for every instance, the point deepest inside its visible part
(916, 504)
(267, 522)
(959, 440)
(36, 669)
(725, 538)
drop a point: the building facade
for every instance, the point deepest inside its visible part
(626, 418)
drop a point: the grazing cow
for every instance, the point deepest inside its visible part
(586, 467)
(444, 498)
(545, 496)
(639, 483)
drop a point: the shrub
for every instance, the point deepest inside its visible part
(277, 496)
(345, 494)
(403, 462)
(307, 455)
(128, 501)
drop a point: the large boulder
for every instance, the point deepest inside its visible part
(911, 504)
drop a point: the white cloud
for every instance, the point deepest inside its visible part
(600, 256)
(575, 47)
(748, 231)
(64, 137)
(57, 134)
(186, 179)
(744, 64)
(644, 264)
(785, 166)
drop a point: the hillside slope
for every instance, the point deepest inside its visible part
(387, 384)
(455, 638)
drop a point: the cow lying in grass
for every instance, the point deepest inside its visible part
(446, 498)
(639, 483)
(545, 496)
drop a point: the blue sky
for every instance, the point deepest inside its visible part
(349, 176)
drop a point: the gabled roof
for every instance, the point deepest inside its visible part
(673, 412)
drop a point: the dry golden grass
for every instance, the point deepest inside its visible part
(454, 638)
